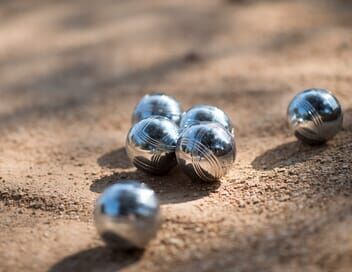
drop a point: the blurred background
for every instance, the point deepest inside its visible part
(71, 73)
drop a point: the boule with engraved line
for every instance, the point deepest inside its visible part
(157, 104)
(205, 113)
(206, 151)
(151, 145)
(315, 116)
(127, 215)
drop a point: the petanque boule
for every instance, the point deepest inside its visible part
(151, 145)
(206, 151)
(127, 215)
(315, 116)
(157, 104)
(205, 113)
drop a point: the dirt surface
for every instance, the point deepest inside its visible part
(70, 75)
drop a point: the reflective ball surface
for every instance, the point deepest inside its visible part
(157, 104)
(206, 151)
(205, 113)
(127, 215)
(315, 116)
(151, 145)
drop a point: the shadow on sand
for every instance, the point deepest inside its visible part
(286, 154)
(115, 159)
(97, 259)
(172, 188)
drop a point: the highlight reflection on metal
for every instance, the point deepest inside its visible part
(315, 116)
(157, 104)
(205, 113)
(127, 215)
(151, 145)
(206, 151)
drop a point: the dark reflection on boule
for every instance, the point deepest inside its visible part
(315, 116)
(151, 145)
(205, 113)
(157, 104)
(127, 215)
(206, 151)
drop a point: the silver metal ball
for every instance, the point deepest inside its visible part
(315, 116)
(151, 145)
(206, 151)
(127, 215)
(157, 104)
(205, 113)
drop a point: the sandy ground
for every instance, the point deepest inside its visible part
(70, 75)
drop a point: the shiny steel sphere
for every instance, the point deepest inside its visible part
(127, 215)
(315, 116)
(157, 104)
(205, 113)
(206, 151)
(151, 145)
